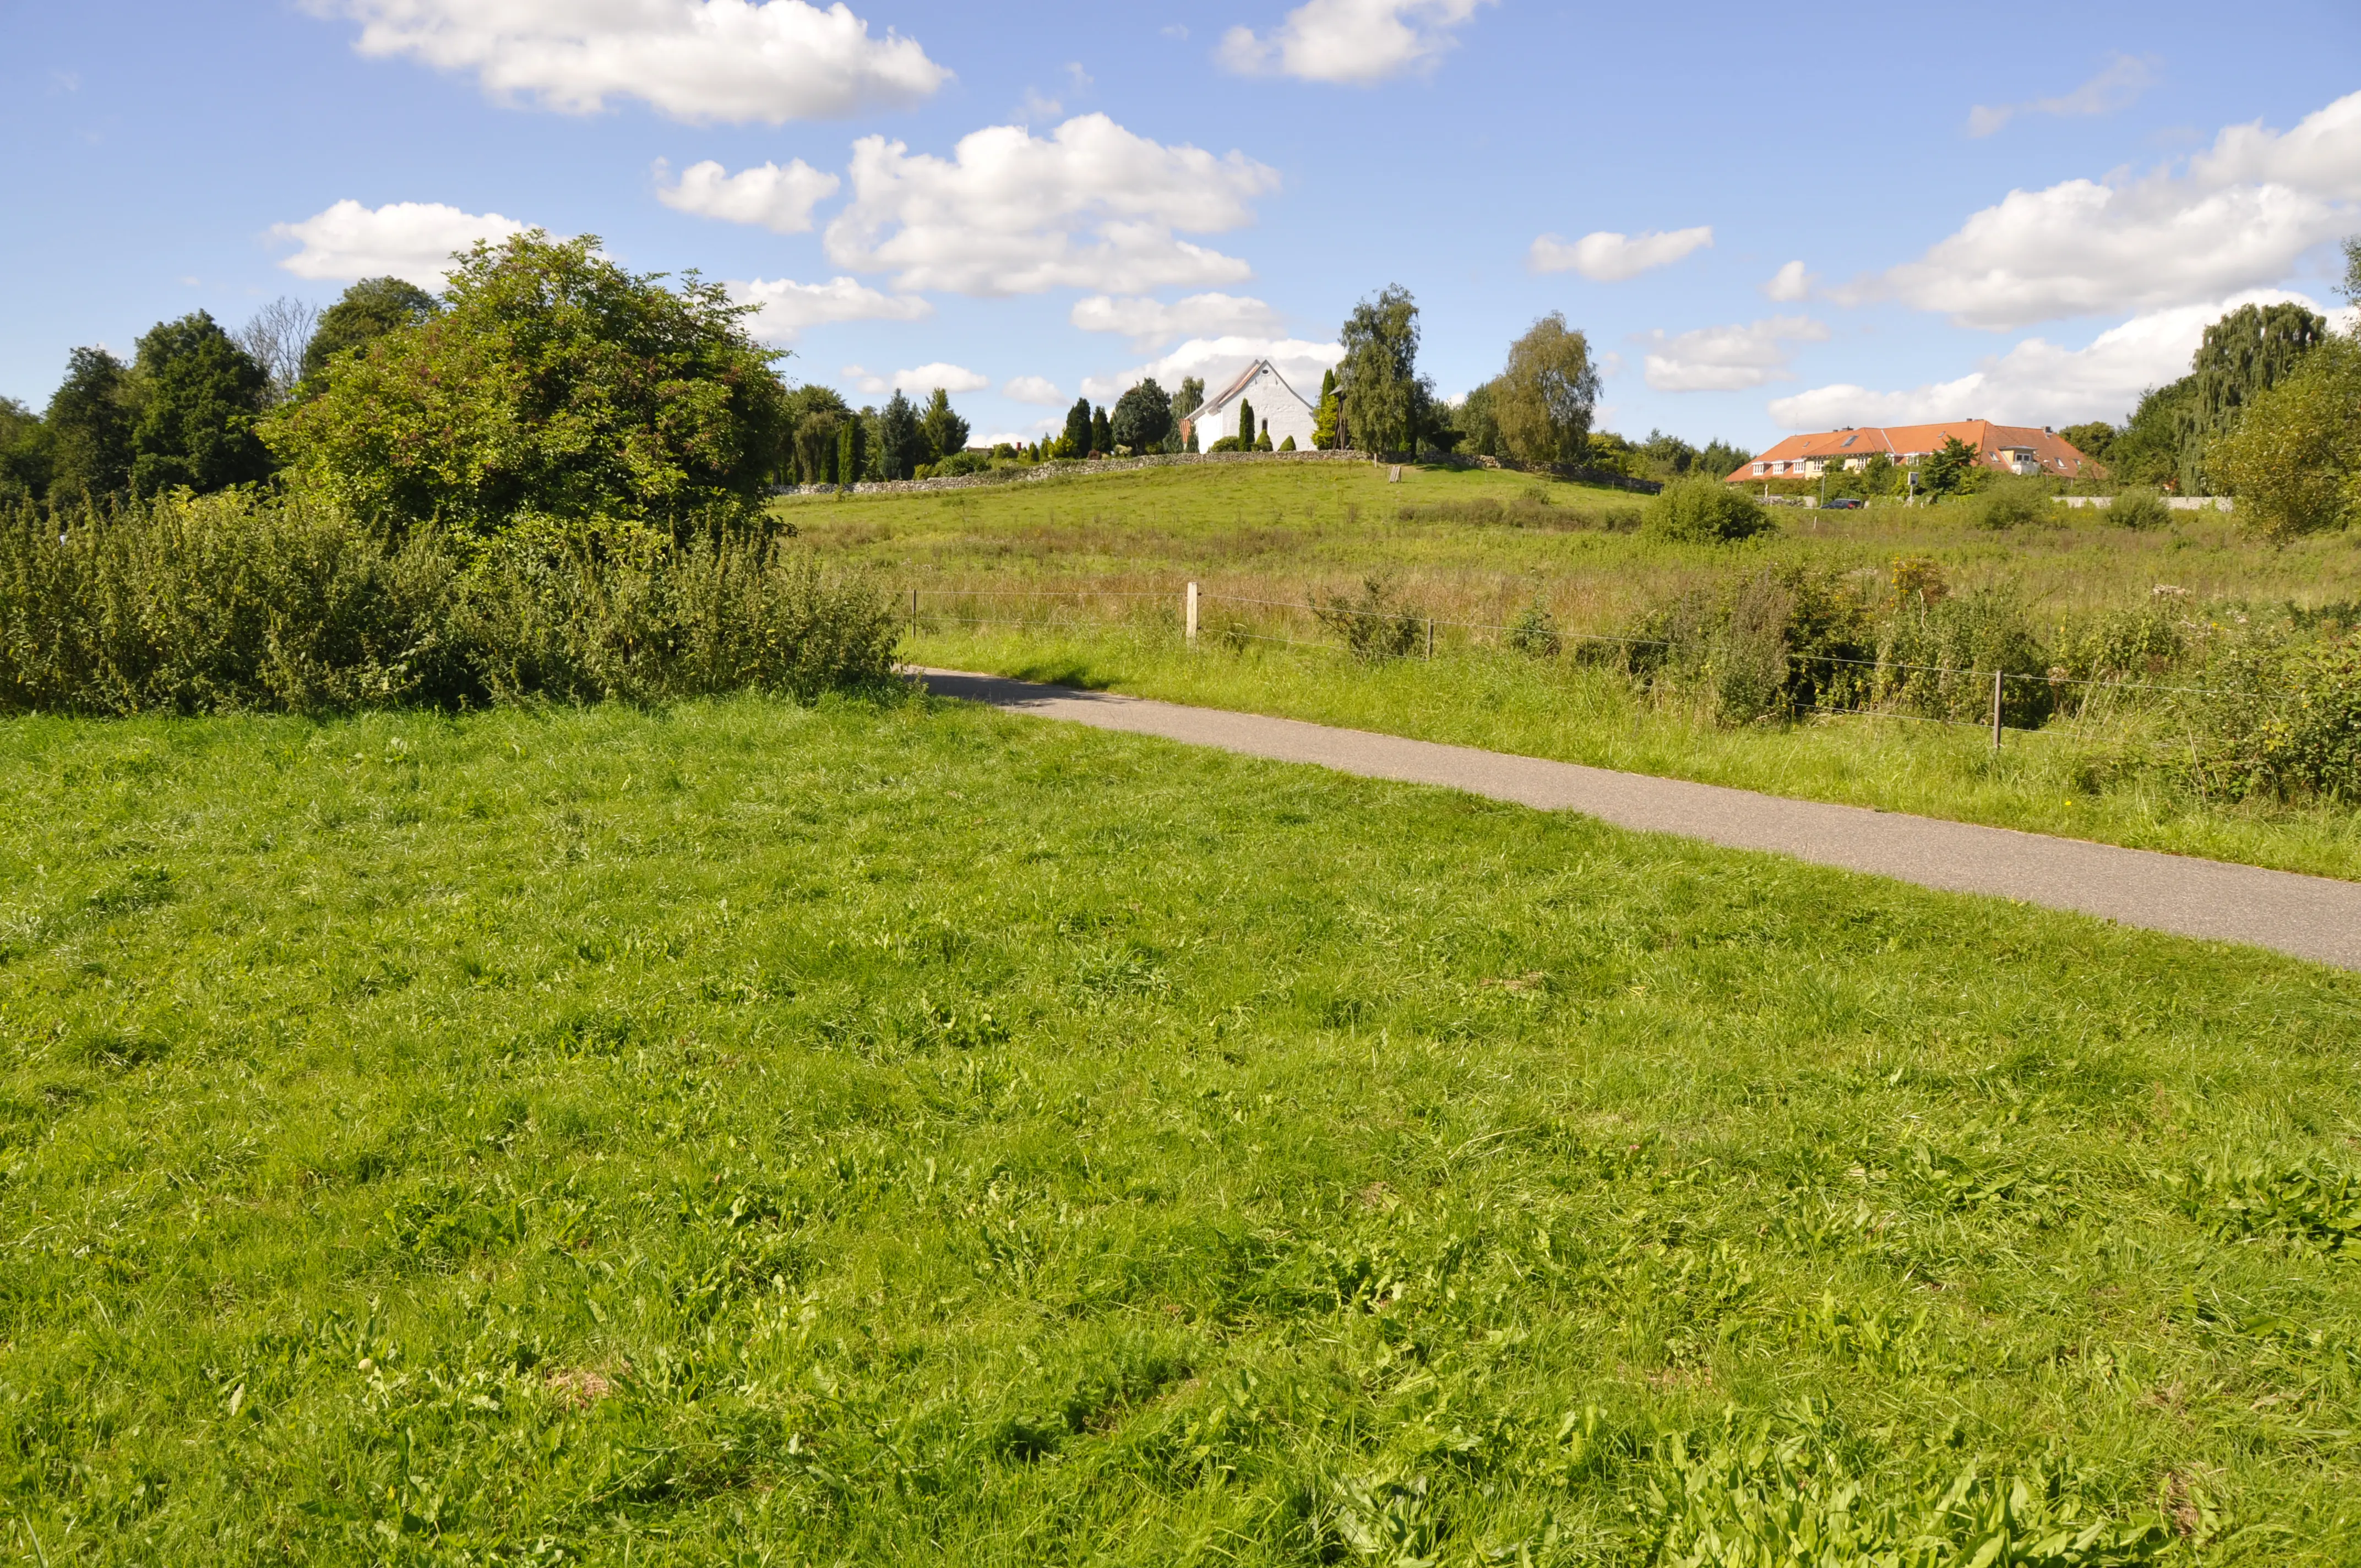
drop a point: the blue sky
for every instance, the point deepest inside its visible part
(2020, 218)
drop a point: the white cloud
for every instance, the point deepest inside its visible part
(922, 379)
(1037, 107)
(1607, 257)
(410, 240)
(1148, 322)
(778, 199)
(2036, 383)
(2239, 216)
(2118, 86)
(696, 60)
(784, 308)
(1216, 360)
(1354, 41)
(1032, 390)
(1092, 206)
(999, 438)
(1727, 358)
(1790, 284)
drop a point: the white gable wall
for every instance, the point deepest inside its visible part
(1274, 401)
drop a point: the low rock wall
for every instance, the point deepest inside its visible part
(1060, 468)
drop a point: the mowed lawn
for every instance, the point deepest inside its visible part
(745, 1134)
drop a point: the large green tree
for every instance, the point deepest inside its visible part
(553, 383)
(1101, 438)
(365, 313)
(202, 399)
(90, 419)
(2293, 461)
(1076, 441)
(811, 413)
(1543, 399)
(24, 454)
(1142, 418)
(1379, 383)
(944, 432)
(897, 442)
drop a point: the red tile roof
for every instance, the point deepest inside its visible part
(1903, 442)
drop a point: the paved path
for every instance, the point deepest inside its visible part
(2312, 917)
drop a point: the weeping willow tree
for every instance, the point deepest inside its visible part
(1542, 401)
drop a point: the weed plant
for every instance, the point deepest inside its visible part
(745, 1133)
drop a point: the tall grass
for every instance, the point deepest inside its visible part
(232, 602)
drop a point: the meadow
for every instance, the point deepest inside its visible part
(888, 1132)
(1081, 580)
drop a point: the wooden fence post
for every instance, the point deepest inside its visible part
(1997, 680)
(1430, 639)
(1193, 615)
(913, 612)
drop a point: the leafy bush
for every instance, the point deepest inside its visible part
(554, 382)
(223, 603)
(1937, 660)
(2140, 509)
(1707, 511)
(1786, 641)
(2282, 717)
(1372, 625)
(1535, 631)
(964, 462)
(1766, 646)
(1228, 444)
(2015, 503)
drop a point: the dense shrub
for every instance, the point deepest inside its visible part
(2139, 509)
(221, 603)
(2015, 503)
(1937, 660)
(2280, 716)
(1764, 646)
(1372, 625)
(1787, 641)
(1707, 511)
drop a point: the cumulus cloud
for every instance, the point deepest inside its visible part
(1218, 360)
(783, 307)
(410, 240)
(922, 378)
(1608, 257)
(1353, 41)
(1091, 206)
(1148, 322)
(778, 199)
(1727, 358)
(2036, 383)
(1032, 390)
(1790, 284)
(738, 61)
(2118, 86)
(2238, 216)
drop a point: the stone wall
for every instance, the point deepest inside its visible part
(1059, 469)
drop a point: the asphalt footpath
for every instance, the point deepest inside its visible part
(2308, 916)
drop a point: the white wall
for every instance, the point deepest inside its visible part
(1274, 401)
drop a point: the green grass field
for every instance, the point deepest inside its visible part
(748, 1134)
(1080, 580)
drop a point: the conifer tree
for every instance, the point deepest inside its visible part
(1245, 423)
(1101, 438)
(851, 449)
(1076, 441)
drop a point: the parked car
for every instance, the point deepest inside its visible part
(1844, 503)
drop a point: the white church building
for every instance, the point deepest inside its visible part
(1276, 405)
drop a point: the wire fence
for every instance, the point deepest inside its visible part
(1189, 600)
